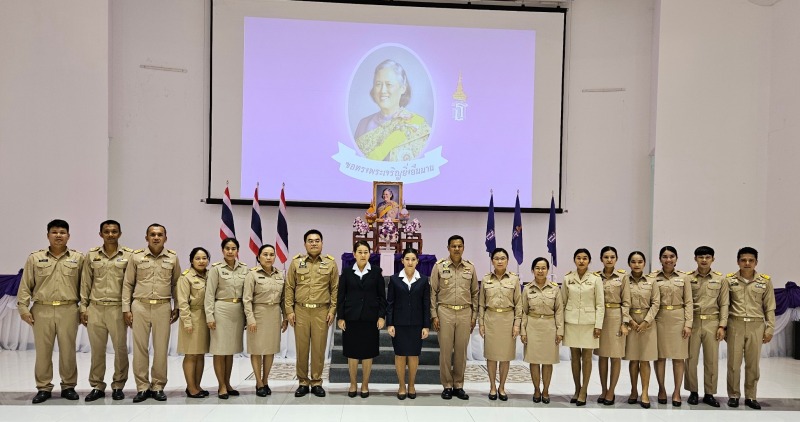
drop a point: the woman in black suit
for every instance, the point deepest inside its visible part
(362, 309)
(408, 315)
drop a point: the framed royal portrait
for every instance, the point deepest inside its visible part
(388, 199)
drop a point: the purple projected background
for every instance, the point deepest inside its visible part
(296, 99)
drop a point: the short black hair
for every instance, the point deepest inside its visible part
(410, 250)
(154, 225)
(310, 232)
(704, 250)
(195, 251)
(110, 222)
(360, 243)
(667, 248)
(61, 224)
(747, 250)
(454, 237)
(608, 248)
(634, 253)
(261, 249)
(499, 250)
(538, 260)
(582, 250)
(228, 240)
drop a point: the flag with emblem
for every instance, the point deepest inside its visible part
(551, 232)
(255, 225)
(282, 237)
(491, 242)
(227, 230)
(516, 234)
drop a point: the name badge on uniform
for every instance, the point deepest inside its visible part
(44, 260)
(734, 283)
(97, 259)
(571, 282)
(261, 277)
(761, 285)
(73, 261)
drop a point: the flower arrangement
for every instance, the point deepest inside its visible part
(412, 227)
(360, 226)
(388, 231)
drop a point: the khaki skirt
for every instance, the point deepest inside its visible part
(195, 343)
(671, 344)
(227, 338)
(642, 346)
(580, 336)
(499, 344)
(612, 343)
(267, 338)
(541, 348)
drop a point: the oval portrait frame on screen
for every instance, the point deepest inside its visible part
(391, 105)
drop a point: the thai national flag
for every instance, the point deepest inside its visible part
(282, 238)
(227, 230)
(255, 225)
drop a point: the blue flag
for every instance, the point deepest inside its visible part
(491, 243)
(551, 232)
(516, 234)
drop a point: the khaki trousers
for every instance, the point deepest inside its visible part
(454, 331)
(51, 324)
(148, 319)
(106, 321)
(310, 334)
(744, 341)
(704, 333)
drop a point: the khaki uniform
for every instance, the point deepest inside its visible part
(223, 304)
(617, 297)
(263, 306)
(645, 303)
(52, 284)
(101, 298)
(542, 321)
(751, 315)
(584, 309)
(149, 287)
(710, 298)
(499, 311)
(312, 286)
(454, 300)
(674, 314)
(191, 295)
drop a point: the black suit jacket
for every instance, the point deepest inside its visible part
(409, 307)
(362, 299)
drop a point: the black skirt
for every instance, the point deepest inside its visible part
(407, 340)
(360, 339)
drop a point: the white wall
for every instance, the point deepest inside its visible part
(711, 128)
(53, 123)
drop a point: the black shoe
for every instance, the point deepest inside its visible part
(573, 400)
(645, 405)
(733, 402)
(141, 396)
(676, 403)
(267, 389)
(364, 394)
(412, 396)
(537, 399)
(352, 394)
(222, 396)
(318, 391)
(752, 404)
(610, 402)
(579, 403)
(502, 397)
(632, 401)
(301, 391)
(70, 394)
(447, 393)
(693, 398)
(545, 400)
(233, 392)
(41, 397)
(159, 395)
(493, 396)
(199, 395)
(461, 394)
(710, 400)
(601, 399)
(205, 392)
(117, 394)
(94, 395)
(261, 392)
(401, 396)
(662, 401)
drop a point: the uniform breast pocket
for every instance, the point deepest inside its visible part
(98, 268)
(69, 269)
(44, 269)
(166, 269)
(198, 289)
(119, 267)
(679, 283)
(326, 270)
(302, 275)
(144, 270)
(714, 286)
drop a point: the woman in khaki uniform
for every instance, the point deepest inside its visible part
(641, 347)
(674, 320)
(500, 317)
(193, 333)
(584, 309)
(263, 298)
(542, 327)
(225, 313)
(617, 298)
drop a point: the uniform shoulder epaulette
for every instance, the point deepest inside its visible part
(95, 249)
(489, 274)
(255, 268)
(597, 273)
(554, 284)
(621, 271)
(217, 264)
(440, 261)
(765, 276)
(330, 257)
(682, 272)
(40, 250)
(172, 252)
(690, 272)
(138, 251)
(568, 273)
(466, 261)
(731, 275)
(186, 271)
(716, 272)
(652, 274)
(513, 273)
(297, 256)
(127, 249)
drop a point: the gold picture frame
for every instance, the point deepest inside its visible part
(391, 206)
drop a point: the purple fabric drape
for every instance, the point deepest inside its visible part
(9, 284)
(787, 297)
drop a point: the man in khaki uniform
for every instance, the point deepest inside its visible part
(710, 298)
(312, 286)
(149, 287)
(51, 280)
(751, 323)
(454, 312)
(101, 310)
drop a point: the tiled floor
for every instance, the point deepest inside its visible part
(779, 393)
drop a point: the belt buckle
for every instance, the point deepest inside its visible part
(153, 301)
(748, 319)
(541, 316)
(500, 310)
(235, 300)
(703, 316)
(310, 305)
(56, 303)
